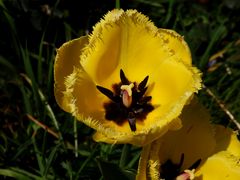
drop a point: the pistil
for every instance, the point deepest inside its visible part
(186, 175)
(126, 94)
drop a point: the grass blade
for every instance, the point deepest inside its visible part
(219, 33)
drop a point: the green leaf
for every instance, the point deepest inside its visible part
(10, 173)
(112, 171)
(18, 174)
(218, 34)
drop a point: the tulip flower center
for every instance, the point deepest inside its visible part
(128, 101)
(173, 171)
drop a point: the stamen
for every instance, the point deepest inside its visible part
(107, 93)
(141, 93)
(145, 99)
(127, 94)
(195, 164)
(142, 84)
(123, 78)
(181, 160)
(132, 121)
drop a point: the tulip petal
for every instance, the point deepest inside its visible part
(74, 90)
(227, 140)
(127, 40)
(176, 45)
(141, 138)
(143, 163)
(223, 165)
(68, 57)
(82, 96)
(192, 139)
(216, 146)
(101, 58)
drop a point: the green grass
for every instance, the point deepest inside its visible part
(40, 141)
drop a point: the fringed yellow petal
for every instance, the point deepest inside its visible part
(101, 58)
(143, 163)
(175, 124)
(66, 59)
(99, 137)
(154, 161)
(129, 40)
(176, 45)
(170, 91)
(82, 96)
(111, 133)
(223, 165)
(172, 80)
(192, 139)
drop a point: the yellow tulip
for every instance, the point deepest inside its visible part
(128, 79)
(199, 151)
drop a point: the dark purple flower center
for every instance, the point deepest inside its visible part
(170, 170)
(127, 101)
